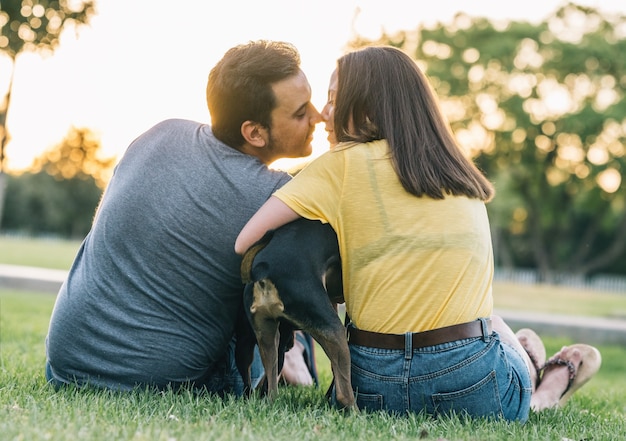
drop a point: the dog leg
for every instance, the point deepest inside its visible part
(265, 311)
(285, 342)
(244, 350)
(335, 345)
(267, 338)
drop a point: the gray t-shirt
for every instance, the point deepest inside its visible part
(153, 292)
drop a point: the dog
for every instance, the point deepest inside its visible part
(293, 281)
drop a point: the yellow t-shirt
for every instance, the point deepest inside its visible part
(409, 264)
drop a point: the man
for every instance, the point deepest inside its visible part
(152, 296)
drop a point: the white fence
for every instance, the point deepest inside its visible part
(600, 282)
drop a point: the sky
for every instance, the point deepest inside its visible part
(138, 63)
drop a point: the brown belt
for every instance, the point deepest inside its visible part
(419, 339)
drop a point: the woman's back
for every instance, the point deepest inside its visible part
(410, 263)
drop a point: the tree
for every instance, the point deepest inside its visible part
(39, 204)
(32, 25)
(76, 157)
(62, 192)
(542, 109)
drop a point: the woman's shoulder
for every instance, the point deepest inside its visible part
(378, 144)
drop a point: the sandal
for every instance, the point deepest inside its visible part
(535, 349)
(590, 362)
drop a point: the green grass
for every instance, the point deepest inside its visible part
(30, 410)
(44, 253)
(560, 300)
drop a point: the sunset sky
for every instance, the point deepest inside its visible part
(139, 63)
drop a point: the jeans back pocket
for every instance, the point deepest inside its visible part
(479, 400)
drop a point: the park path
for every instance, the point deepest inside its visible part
(591, 330)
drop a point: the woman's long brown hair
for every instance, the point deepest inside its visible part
(382, 94)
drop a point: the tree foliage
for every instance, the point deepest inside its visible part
(33, 25)
(542, 109)
(76, 157)
(39, 204)
(59, 197)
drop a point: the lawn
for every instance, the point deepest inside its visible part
(42, 252)
(30, 410)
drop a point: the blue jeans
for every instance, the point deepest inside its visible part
(479, 377)
(234, 383)
(223, 379)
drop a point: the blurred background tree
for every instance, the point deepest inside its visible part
(76, 157)
(60, 195)
(541, 108)
(32, 25)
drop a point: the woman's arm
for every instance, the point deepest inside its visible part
(273, 214)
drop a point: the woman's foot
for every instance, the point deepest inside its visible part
(536, 351)
(564, 373)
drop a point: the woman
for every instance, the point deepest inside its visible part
(409, 211)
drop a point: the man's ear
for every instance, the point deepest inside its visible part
(254, 134)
